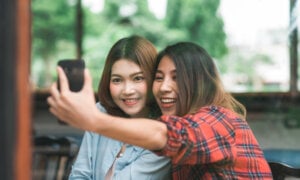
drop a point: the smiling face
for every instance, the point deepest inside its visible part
(165, 87)
(128, 88)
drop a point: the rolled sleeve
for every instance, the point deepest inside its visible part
(204, 137)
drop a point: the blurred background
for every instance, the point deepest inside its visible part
(250, 40)
(253, 42)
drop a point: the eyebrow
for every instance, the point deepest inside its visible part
(160, 71)
(131, 75)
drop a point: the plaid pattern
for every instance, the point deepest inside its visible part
(213, 143)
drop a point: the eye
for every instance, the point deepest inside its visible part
(116, 80)
(174, 77)
(138, 78)
(158, 77)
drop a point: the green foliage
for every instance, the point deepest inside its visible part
(200, 22)
(53, 33)
(243, 67)
(54, 21)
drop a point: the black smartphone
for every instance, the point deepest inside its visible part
(73, 69)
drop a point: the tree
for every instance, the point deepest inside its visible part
(52, 23)
(200, 21)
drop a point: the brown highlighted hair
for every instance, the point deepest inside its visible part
(138, 50)
(198, 80)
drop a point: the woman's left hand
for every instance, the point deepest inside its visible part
(77, 109)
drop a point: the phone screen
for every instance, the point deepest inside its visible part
(73, 69)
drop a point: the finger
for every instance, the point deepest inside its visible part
(54, 91)
(63, 81)
(52, 106)
(54, 96)
(55, 113)
(87, 80)
(50, 101)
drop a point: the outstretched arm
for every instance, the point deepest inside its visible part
(78, 109)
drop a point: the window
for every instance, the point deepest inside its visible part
(257, 39)
(249, 39)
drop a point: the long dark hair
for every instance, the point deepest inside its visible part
(138, 50)
(198, 80)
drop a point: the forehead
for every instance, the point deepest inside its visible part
(125, 65)
(166, 64)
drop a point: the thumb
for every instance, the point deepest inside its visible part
(88, 82)
(63, 81)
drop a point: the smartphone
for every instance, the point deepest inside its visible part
(73, 69)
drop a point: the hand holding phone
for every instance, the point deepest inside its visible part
(73, 69)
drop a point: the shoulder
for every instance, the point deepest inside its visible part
(95, 139)
(91, 136)
(216, 111)
(100, 107)
(211, 115)
(206, 114)
(147, 156)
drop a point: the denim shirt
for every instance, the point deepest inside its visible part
(97, 154)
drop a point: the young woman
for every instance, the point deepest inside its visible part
(203, 129)
(124, 90)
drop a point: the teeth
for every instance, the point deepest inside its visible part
(167, 100)
(130, 100)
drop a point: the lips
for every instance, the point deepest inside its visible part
(131, 101)
(167, 102)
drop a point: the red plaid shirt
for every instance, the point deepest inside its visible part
(213, 143)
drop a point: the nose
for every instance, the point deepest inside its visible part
(128, 88)
(166, 85)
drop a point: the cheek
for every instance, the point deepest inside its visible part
(155, 88)
(175, 88)
(143, 89)
(114, 90)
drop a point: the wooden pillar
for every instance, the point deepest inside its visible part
(15, 101)
(23, 91)
(293, 45)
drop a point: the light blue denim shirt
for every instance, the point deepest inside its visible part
(97, 154)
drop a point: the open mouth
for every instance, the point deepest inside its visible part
(131, 101)
(167, 102)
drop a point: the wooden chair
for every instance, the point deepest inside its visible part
(284, 163)
(53, 157)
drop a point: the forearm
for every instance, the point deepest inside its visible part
(78, 110)
(146, 133)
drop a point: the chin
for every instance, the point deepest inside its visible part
(169, 113)
(133, 114)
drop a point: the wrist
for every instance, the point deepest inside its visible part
(99, 122)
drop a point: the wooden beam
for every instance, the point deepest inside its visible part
(23, 91)
(293, 47)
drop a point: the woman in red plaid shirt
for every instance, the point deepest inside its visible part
(203, 128)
